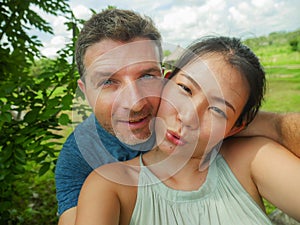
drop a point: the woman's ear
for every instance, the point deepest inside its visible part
(236, 129)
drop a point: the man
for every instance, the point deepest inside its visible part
(128, 47)
(118, 56)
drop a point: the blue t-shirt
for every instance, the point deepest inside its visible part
(87, 148)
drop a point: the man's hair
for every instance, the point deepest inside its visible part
(117, 25)
(240, 57)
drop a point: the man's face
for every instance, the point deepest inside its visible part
(123, 83)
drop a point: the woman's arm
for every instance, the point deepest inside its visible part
(276, 173)
(283, 128)
(98, 202)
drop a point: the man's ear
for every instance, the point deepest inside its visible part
(81, 85)
(167, 74)
(236, 129)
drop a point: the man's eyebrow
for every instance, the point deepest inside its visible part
(222, 100)
(111, 73)
(151, 70)
(102, 74)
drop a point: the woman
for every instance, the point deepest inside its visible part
(191, 177)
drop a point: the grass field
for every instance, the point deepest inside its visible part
(283, 89)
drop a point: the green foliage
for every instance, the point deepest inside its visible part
(35, 202)
(34, 96)
(167, 52)
(294, 44)
(275, 49)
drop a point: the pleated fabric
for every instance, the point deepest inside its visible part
(221, 200)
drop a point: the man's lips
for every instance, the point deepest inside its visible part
(174, 138)
(136, 123)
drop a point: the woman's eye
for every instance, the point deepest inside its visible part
(185, 88)
(219, 111)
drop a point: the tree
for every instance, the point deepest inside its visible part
(294, 44)
(35, 93)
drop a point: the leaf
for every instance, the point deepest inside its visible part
(64, 119)
(67, 101)
(45, 167)
(6, 154)
(20, 139)
(5, 116)
(32, 115)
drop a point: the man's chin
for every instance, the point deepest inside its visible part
(132, 139)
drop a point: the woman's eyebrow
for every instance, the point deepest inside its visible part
(191, 80)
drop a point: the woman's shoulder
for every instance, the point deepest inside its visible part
(117, 173)
(239, 153)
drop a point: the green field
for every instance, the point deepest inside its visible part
(283, 89)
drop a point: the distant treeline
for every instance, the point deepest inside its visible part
(292, 39)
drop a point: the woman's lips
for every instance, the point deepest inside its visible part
(174, 138)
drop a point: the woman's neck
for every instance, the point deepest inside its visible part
(175, 171)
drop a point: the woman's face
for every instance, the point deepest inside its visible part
(200, 106)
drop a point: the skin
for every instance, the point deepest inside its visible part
(264, 168)
(117, 87)
(282, 128)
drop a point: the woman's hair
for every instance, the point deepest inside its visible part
(241, 58)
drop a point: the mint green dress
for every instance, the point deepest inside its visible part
(221, 200)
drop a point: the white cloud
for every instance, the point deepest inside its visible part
(180, 22)
(58, 25)
(262, 3)
(82, 12)
(50, 48)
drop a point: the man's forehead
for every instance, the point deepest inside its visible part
(126, 54)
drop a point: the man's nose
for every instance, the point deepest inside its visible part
(132, 97)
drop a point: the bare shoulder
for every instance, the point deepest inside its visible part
(124, 173)
(240, 153)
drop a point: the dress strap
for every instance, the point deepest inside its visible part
(141, 160)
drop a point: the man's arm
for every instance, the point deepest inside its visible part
(283, 128)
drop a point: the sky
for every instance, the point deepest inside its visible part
(181, 22)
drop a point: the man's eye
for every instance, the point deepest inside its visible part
(219, 111)
(148, 76)
(185, 88)
(105, 83)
